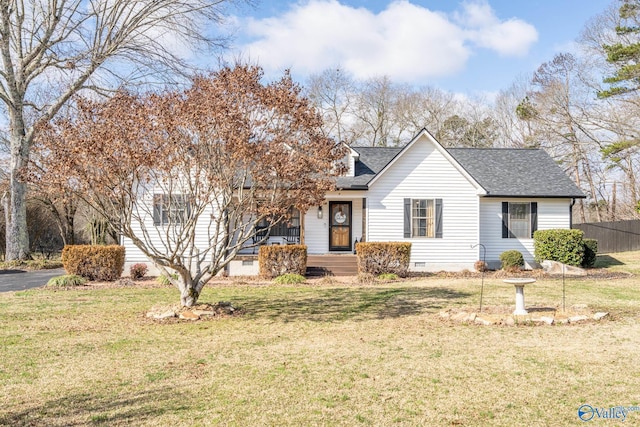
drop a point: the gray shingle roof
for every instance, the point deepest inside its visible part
(372, 160)
(502, 172)
(516, 172)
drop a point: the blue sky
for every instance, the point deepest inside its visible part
(472, 47)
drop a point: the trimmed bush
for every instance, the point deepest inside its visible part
(102, 263)
(511, 260)
(565, 246)
(590, 252)
(138, 271)
(66, 281)
(276, 260)
(377, 258)
(289, 279)
(388, 277)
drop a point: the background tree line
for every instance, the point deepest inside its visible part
(581, 107)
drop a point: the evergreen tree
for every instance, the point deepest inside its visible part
(625, 54)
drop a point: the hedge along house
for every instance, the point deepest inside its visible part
(446, 202)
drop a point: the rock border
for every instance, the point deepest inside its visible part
(535, 318)
(201, 311)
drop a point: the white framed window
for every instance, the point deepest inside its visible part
(170, 209)
(519, 219)
(423, 218)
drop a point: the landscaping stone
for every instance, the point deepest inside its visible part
(203, 312)
(576, 319)
(484, 322)
(600, 315)
(160, 316)
(189, 315)
(537, 316)
(555, 267)
(226, 307)
(460, 317)
(546, 319)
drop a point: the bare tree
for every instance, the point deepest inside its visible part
(187, 176)
(332, 92)
(427, 107)
(561, 101)
(71, 45)
(515, 115)
(374, 105)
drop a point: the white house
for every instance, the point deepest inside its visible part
(449, 203)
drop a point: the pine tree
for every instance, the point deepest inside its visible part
(625, 54)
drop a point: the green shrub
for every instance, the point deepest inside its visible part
(138, 271)
(163, 279)
(289, 279)
(590, 252)
(276, 260)
(511, 260)
(565, 246)
(94, 262)
(387, 277)
(66, 281)
(383, 257)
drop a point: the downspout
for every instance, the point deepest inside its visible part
(573, 202)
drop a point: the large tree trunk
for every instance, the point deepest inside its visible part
(188, 295)
(17, 235)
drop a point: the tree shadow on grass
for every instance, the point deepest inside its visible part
(338, 304)
(92, 409)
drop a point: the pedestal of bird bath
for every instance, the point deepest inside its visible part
(519, 284)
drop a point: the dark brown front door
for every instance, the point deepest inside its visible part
(340, 226)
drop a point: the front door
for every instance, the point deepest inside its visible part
(340, 226)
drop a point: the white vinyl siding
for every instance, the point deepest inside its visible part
(159, 234)
(552, 213)
(423, 172)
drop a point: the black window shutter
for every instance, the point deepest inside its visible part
(438, 218)
(407, 217)
(534, 217)
(157, 206)
(505, 220)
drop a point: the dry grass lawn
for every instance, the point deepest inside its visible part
(322, 353)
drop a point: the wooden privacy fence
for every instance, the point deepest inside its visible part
(616, 236)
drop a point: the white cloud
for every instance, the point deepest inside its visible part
(407, 42)
(509, 38)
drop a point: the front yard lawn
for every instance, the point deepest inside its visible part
(325, 353)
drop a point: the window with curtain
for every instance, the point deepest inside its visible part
(423, 218)
(519, 219)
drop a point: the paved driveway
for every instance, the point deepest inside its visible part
(19, 280)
